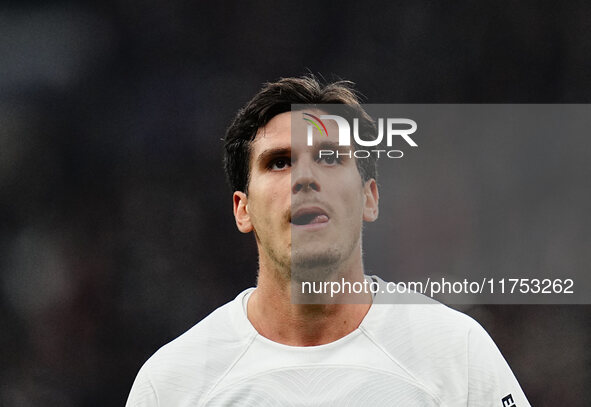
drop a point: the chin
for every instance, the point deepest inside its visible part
(315, 267)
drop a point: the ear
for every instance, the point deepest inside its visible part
(241, 212)
(372, 198)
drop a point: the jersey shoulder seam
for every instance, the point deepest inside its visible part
(393, 359)
(228, 370)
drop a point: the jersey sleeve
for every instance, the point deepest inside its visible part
(143, 393)
(490, 379)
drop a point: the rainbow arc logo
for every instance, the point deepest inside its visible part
(315, 121)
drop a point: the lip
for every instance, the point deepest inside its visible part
(312, 211)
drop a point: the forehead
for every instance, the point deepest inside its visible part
(279, 130)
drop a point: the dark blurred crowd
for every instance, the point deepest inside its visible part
(116, 227)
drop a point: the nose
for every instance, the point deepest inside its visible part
(303, 179)
(304, 185)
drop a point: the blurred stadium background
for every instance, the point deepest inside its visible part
(116, 233)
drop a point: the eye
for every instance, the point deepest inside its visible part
(330, 160)
(279, 164)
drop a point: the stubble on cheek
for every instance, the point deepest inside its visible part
(274, 241)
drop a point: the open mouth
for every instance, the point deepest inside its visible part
(309, 216)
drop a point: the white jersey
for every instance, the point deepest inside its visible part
(401, 355)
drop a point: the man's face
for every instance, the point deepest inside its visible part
(306, 212)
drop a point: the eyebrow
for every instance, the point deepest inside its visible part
(333, 146)
(270, 153)
(328, 145)
(273, 152)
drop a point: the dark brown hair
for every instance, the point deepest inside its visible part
(276, 98)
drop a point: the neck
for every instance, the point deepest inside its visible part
(275, 316)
